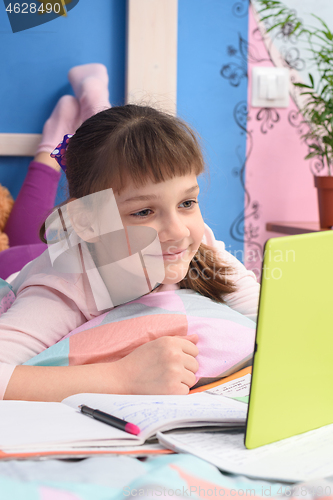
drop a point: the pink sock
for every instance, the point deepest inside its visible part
(63, 120)
(90, 85)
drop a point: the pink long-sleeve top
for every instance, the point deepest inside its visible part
(48, 306)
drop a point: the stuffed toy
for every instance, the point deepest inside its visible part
(6, 205)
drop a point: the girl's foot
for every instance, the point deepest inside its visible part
(90, 85)
(63, 120)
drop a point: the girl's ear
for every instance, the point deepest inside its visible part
(94, 215)
(81, 220)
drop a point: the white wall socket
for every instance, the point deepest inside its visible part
(270, 87)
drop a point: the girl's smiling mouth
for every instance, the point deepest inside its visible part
(174, 255)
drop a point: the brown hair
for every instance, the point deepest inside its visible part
(141, 143)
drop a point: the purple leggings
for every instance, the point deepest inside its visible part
(33, 204)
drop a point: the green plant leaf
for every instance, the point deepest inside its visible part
(311, 155)
(317, 108)
(321, 21)
(328, 140)
(302, 85)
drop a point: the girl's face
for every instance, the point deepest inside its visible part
(172, 209)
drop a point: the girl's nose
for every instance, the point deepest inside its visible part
(173, 228)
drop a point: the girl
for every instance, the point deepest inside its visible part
(151, 160)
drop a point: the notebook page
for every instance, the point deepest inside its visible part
(152, 413)
(303, 457)
(35, 424)
(236, 389)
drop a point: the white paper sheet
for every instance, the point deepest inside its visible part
(303, 457)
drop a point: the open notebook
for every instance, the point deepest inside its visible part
(35, 426)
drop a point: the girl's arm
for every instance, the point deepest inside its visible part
(38, 318)
(46, 308)
(246, 298)
(163, 366)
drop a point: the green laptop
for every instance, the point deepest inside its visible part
(292, 378)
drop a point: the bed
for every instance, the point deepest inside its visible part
(173, 475)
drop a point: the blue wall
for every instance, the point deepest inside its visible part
(35, 63)
(208, 30)
(34, 66)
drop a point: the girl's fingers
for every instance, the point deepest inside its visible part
(189, 348)
(188, 378)
(193, 338)
(185, 389)
(190, 363)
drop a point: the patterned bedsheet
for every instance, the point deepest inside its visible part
(114, 478)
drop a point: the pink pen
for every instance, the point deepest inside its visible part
(110, 420)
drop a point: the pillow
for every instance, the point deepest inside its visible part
(226, 337)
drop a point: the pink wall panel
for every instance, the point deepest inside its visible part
(279, 182)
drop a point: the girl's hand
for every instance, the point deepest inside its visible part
(163, 366)
(166, 365)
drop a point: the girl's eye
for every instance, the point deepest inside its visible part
(192, 202)
(144, 213)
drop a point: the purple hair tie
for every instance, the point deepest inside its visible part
(59, 152)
